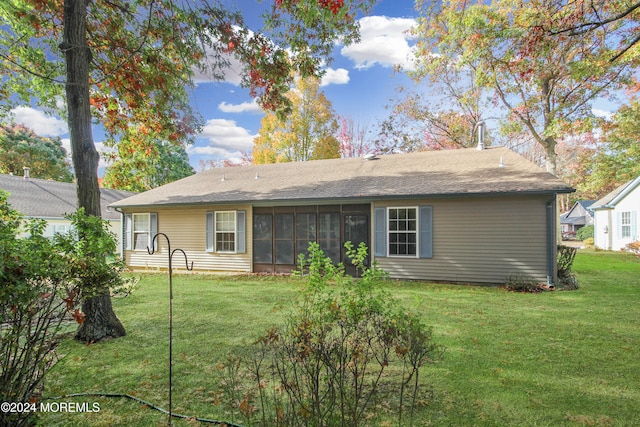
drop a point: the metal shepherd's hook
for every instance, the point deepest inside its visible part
(151, 251)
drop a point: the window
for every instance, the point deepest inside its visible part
(225, 231)
(140, 228)
(403, 232)
(625, 224)
(141, 231)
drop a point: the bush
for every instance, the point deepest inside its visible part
(35, 298)
(42, 281)
(634, 247)
(346, 349)
(588, 242)
(585, 232)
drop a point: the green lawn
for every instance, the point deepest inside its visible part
(551, 359)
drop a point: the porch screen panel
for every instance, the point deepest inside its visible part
(305, 232)
(329, 235)
(283, 240)
(262, 238)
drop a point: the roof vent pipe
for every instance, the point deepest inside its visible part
(480, 133)
(26, 172)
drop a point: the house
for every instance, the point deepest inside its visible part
(575, 218)
(52, 201)
(453, 215)
(616, 217)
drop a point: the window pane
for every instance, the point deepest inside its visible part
(262, 251)
(306, 226)
(262, 227)
(226, 242)
(226, 221)
(141, 241)
(141, 222)
(284, 252)
(284, 226)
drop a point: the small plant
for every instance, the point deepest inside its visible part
(634, 247)
(346, 348)
(566, 279)
(588, 242)
(518, 282)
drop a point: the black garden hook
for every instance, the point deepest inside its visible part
(170, 254)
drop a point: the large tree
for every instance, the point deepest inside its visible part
(131, 63)
(307, 133)
(46, 158)
(545, 82)
(140, 163)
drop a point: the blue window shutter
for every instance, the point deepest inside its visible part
(426, 232)
(241, 233)
(380, 232)
(153, 220)
(126, 236)
(209, 232)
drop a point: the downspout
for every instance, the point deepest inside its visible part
(551, 242)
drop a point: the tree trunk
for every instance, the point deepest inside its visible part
(551, 158)
(100, 321)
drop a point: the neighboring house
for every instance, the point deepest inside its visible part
(459, 216)
(616, 217)
(52, 201)
(576, 218)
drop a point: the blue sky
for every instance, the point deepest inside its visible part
(359, 83)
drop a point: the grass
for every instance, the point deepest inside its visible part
(564, 358)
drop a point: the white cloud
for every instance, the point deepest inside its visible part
(384, 41)
(40, 122)
(602, 113)
(245, 107)
(337, 77)
(225, 139)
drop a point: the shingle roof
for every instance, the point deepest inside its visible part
(609, 200)
(434, 173)
(39, 198)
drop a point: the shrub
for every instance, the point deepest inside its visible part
(346, 347)
(585, 232)
(588, 242)
(35, 297)
(42, 281)
(634, 247)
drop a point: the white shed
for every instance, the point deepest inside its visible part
(616, 217)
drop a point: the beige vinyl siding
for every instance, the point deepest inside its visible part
(186, 227)
(479, 240)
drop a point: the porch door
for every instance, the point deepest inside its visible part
(356, 231)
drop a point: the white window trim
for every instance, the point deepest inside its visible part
(234, 215)
(416, 232)
(625, 225)
(133, 231)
